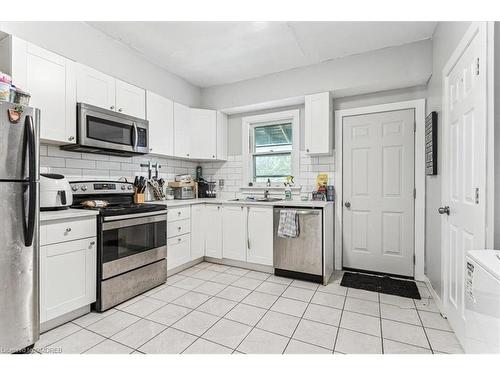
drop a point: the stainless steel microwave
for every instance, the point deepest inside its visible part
(107, 132)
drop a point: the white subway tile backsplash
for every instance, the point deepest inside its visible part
(49, 161)
(80, 163)
(108, 165)
(57, 152)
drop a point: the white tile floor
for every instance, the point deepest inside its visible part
(211, 308)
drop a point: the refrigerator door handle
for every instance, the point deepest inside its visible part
(30, 147)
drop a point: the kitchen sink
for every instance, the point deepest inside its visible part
(251, 199)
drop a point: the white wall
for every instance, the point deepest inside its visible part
(445, 38)
(386, 69)
(80, 42)
(497, 137)
(309, 167)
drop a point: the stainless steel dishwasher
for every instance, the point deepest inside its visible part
(301, 257)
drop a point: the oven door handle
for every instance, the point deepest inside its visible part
(134, 216)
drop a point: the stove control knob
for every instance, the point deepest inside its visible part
(129, 187)
(84, 187)
(123, 187)
(74, 187)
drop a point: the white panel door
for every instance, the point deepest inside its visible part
(95, 88)
(213, 231)
(203, 133)
(234, 232)
(221, 136)
(130, 99)
(464, 173)
(182, 141)
(67, 277)
(197, 231)
(378, 212)
(260, 235)
(160, 114)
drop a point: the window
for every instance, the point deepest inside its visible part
(272, 151)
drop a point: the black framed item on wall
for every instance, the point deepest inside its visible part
(431, 144)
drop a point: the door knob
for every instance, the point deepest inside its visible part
(347, 204)
(444, 210)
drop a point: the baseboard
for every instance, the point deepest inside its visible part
(435, 296)
(184, 266)
(241, 264)
(60, 320)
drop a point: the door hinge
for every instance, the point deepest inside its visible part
(477, 66)
(477, 195)
(414, 193)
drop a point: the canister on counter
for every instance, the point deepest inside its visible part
(330, 194)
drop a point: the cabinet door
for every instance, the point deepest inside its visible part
(213, 231)
(178, 251)
(234, 232)
(318, 124)
(48, 81)
(260, 235)
(67, 277)
(197, 231)
(160, 114)
(182, 139)
(203, 130)
(95, 88)
(221, 136)
(130, 99)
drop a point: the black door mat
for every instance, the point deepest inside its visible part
(381, 284)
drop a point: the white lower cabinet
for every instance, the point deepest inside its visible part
(197, 231)
(260, 235)
(67, 273)
(234, 232)
(213, 231)
(179, 251)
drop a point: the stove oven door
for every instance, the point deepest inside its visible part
(132, 241)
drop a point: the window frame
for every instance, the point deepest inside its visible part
(250, 123)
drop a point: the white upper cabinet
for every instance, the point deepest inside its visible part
(102, 90)
(203, 129)
(50, 79)
(160, 114)
(95, 88)
(182, 132)
(234, 232)
(213, 231)
(130, 99)
(260, 235)
(318, 124)
(221, 136)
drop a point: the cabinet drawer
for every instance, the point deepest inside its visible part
(178, 228)
(178, 251)
(67, 230)
(178, 213)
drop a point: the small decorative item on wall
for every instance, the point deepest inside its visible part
(431, 144)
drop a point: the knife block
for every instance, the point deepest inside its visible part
(139, 198)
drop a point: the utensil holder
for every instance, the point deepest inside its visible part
(139, 198)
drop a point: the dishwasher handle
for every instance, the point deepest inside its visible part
(308, 212)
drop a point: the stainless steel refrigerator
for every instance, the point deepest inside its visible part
(19, 227)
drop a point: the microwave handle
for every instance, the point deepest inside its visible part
(135, 135)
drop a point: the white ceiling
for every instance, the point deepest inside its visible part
(215, 53)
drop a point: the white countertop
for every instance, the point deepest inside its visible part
(70, 213)
(292, 203)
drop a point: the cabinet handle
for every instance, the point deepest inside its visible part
(112, 107)
(150, 149)
(120, 109)
(178, 240)
(68, 230)
(213, 156)
(179, 229)
(179, 213)
(92, 243)
(187, 154)
(307, 150)
(71, 138)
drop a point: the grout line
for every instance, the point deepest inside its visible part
(381, 330)
(340, 322)
(425, 332)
